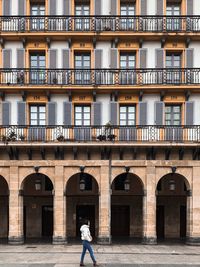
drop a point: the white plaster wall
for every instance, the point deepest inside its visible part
(59, 99)
(151, 53)
(105, 100)
(151, 99)
(196, 7)
(196, 99)
(105, 46)
(59, 46)
(151, 7)
(105, 7)
(13, 46)
(196, 47)
(13, 99)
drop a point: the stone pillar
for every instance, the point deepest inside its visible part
(15, 235)
(149, 208)
(193, 210)
(104, 207)
(59, 233)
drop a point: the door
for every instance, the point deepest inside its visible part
(120, 221)
(173, 64)
(82, 68)
(37, 66)
(173, 22)
(24, 221)
(127, 66)
(82, 129)
(174, 131)
(160, 222)
(127, 9)
(183, 221)
(37, 122)
(47, 221)
(127, 121)
(37, 17)
(82, 11)
(85, 212)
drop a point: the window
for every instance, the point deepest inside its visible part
(37, 65)
(127, 9)
(37, 10)
(173, 115)
(82, 68)
(127, 115)
(82, 9)
(127, 64)
(82, 115)
(173, 23)
(37, 115)
(173, 63)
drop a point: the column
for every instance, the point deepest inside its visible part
(149, 208)
(193, 210)
(59, 234)
(104, 207)
(15, 235)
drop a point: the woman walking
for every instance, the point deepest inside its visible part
(86, 239)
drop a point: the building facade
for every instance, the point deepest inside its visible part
(100, 119)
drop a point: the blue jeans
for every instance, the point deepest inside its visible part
(87, 246)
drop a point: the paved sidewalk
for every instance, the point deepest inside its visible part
(34, 255)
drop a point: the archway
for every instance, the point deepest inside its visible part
(82, 202)
(4, 209)
(127, 208)
(37, 191)
(171, 208)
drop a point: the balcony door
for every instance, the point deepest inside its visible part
(127, 12)
(37, 17)
(37, 115)
(82, 68)
(82, 12)
(127, 121)
(173, 23)
(173, 63)
(37, 66)
(82, 115)
(127, 66)
(174, 131)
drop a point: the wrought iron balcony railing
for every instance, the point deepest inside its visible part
(100, 77)
(60, 133)
(136, 24)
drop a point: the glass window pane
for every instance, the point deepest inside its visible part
(122, 109)
(33, 116)
(78, 109)
(123, 116)
(78, 116)
(86, 109)
(33, 109)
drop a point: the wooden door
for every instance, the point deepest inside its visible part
(160, 222)
(120, 221)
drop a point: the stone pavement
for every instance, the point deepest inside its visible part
(36, 255)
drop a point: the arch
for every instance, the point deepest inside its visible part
(37, 196)
(127, 207)
(172, 206)
(4, 203)
(81, 204)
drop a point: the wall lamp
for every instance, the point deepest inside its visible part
(127, 181)
(173, 168)
(82, 180)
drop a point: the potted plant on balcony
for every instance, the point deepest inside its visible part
(60, 138)
(22, 137)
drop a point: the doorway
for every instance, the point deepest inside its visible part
(47, 221)
(160, 222)
(120, 221)
(85, 212)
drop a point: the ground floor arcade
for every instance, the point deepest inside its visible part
(143, 201)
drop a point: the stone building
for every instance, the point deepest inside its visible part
(100, 119)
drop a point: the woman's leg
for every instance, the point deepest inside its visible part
(89, 248)
(83, 252)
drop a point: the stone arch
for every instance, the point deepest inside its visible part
(81, 204)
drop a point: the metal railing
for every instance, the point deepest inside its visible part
(61, 133)
(100, 77)
(100, 23)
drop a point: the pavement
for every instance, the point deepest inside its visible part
(43, 255)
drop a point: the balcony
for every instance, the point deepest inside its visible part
(100, 77)
(99, 24)
(99, 135)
